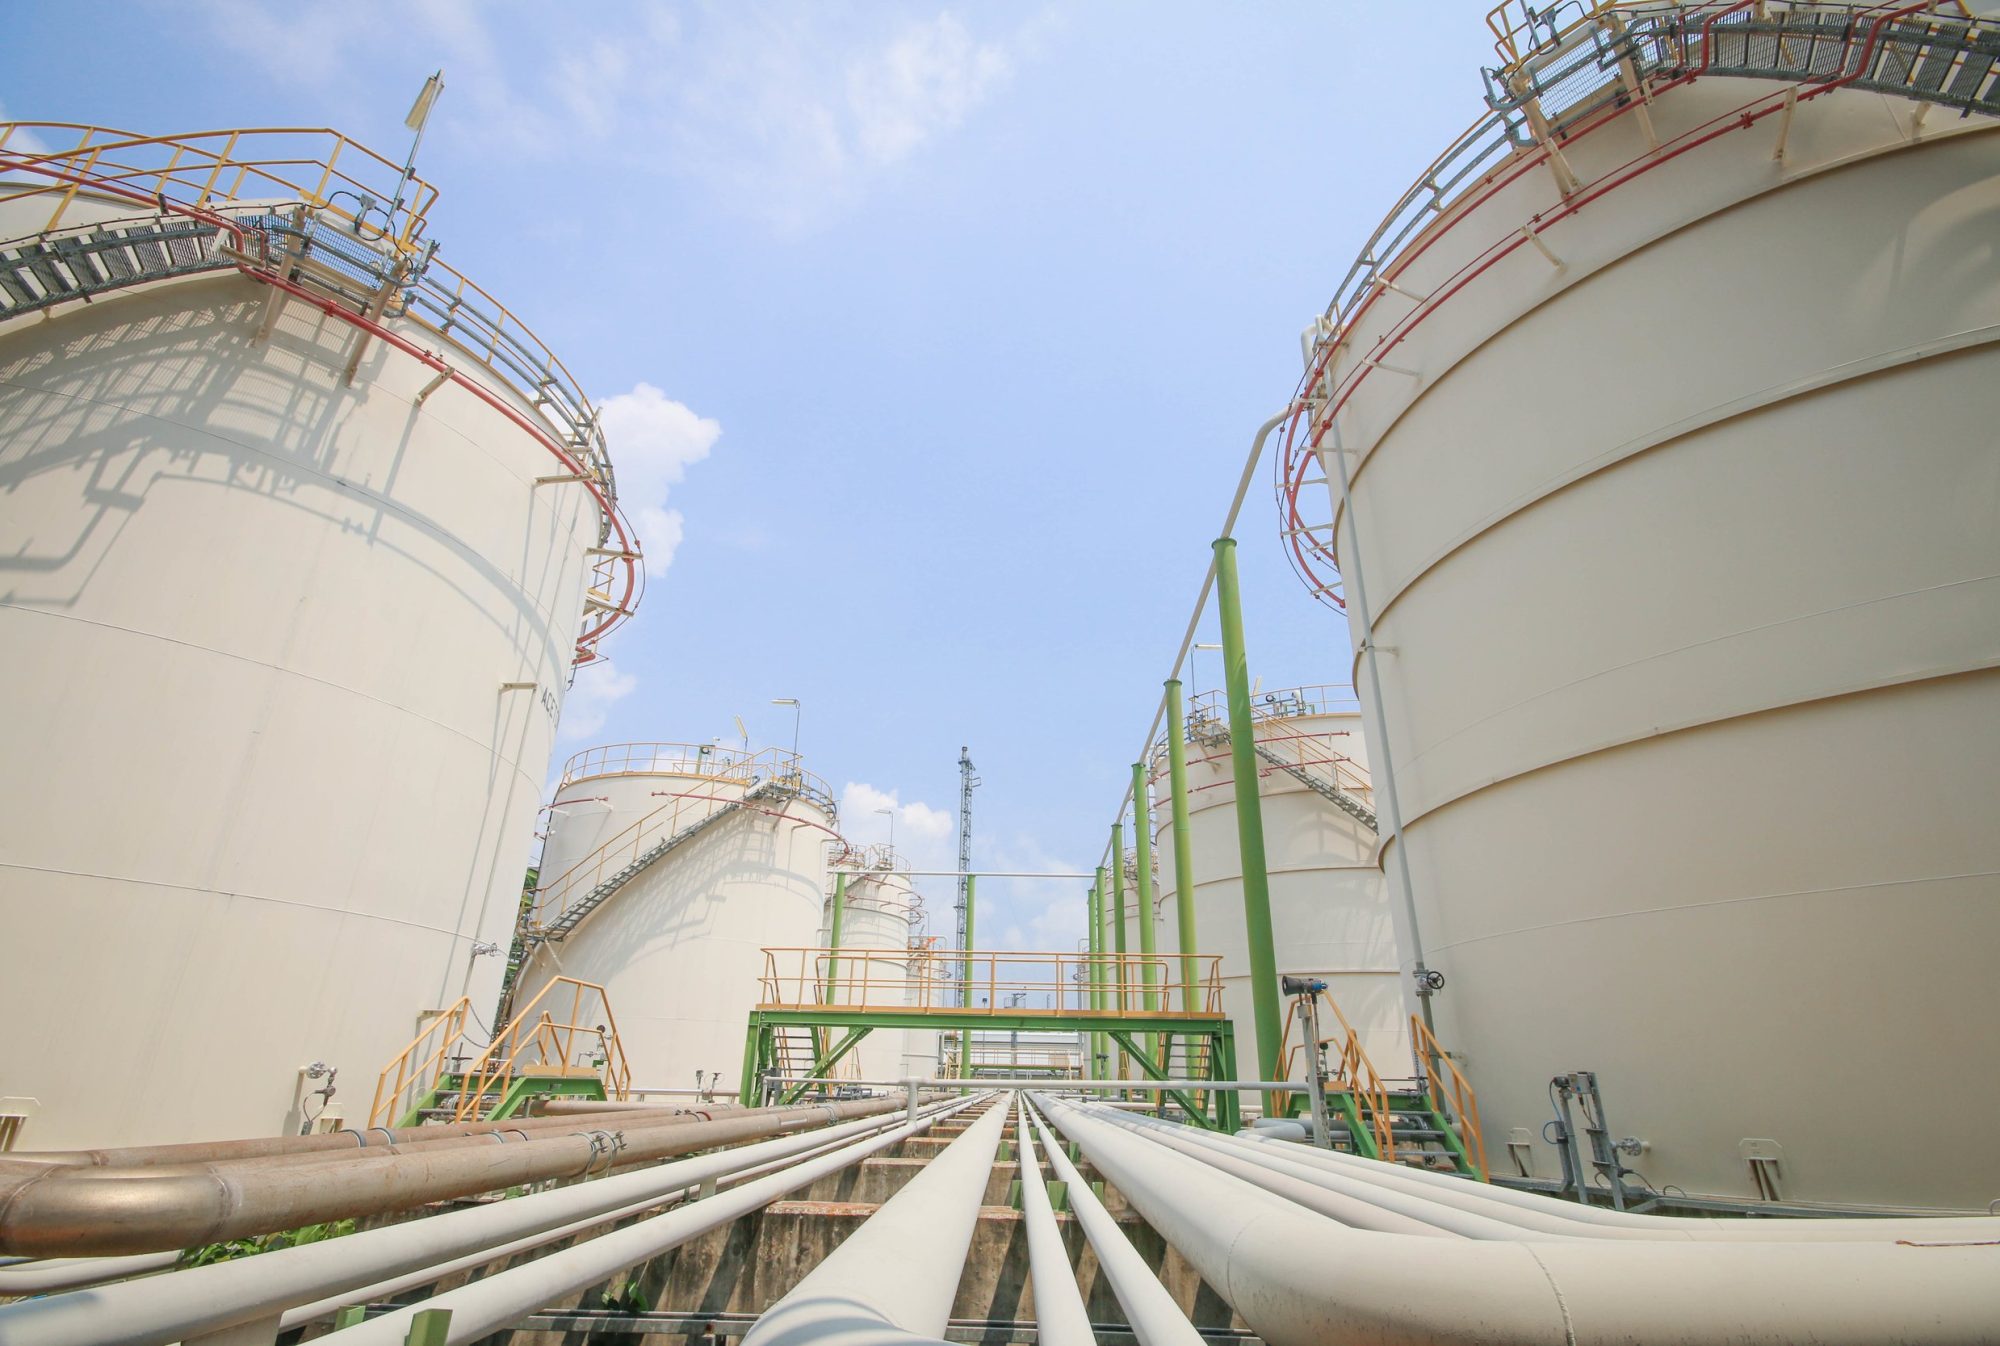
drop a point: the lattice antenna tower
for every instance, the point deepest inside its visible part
(967, 783)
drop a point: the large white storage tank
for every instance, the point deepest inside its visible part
(1329, 912)
(739, 864)
(1676, 512)
(288, 623)
(881, 910)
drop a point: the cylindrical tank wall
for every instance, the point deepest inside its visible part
(1687, 592)
(880, 907)
(285, 657)
(1329, 911)
(679, 946)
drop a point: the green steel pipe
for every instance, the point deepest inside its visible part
(1249, 819)
(1118, 907)
(1092, 937)
(833, 935)
(1142, 844)
(965, 993)
(1183, 844)
(1103, 994)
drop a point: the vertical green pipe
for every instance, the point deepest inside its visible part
(1103, 996)
(1249, 819)
(1183, 845)
(965, 1034)
(1118, 930)
(1142, 842)
(833, 936)
(1089, 1040)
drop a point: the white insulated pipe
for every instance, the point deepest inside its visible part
(1060, 1316)
(1531, 1211)
(201, 1300)
(1154, 1317)
(1297, 1277)
(1353, 1204)
(486, 1306)
(893, 1281)
(40, 1276)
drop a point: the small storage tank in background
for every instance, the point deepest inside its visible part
(881, 911)
(1329, 911)
(669, 869)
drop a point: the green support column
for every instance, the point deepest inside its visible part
(1118, 930)
(1142, 842)
(965, 988)
(1183, 846)
(1091, 936)
(1249, 819)
(1103, 995)
(833, 936)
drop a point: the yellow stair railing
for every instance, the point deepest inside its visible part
(1352, 1071)
(537, 1043)
(416, 1069)
(1464, 1110)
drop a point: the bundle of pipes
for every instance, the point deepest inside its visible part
(1310, 1246)
(160, 1198)
(252, 1299)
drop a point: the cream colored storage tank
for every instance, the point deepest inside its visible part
(1677, 502)
(881, 910)
(669, 868)
(1329, 915)
(288, 622)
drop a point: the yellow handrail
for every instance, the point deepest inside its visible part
(535, 1043)
(1353, 1073)
(914, 979)
(1464, 1104)
(417, 1067)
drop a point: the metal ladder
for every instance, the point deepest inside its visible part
(1218, 736)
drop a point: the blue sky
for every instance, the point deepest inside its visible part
(931, 337)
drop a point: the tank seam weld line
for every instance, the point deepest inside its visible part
(232, 893)
(1663, 730)
(1749, 404)
(1575, 279)
(1569, 1327)
(485, 749)
(1720, 902)
(422, 522)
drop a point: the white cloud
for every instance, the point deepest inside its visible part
(920, 86)
(653, 441)
(791, 122)
(925, 836)
(588, 705)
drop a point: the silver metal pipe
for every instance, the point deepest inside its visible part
(495, 1302)
(202, 1300)
(1297, 1277)
(430, 1275)
(894, 1278)
(1156, 1320)
(71, 1211)
(1060, 1316)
